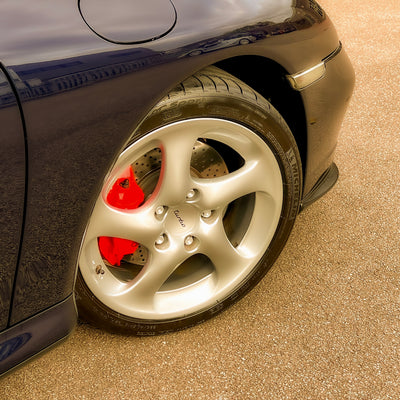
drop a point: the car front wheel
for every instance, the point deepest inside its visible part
(194, 212)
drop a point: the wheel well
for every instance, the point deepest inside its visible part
(269, 79)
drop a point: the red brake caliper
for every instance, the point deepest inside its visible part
(125, 195)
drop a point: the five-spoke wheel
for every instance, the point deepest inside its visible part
(192, 214)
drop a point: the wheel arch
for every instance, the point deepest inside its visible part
(268, 78)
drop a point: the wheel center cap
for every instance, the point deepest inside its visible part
(181, 219)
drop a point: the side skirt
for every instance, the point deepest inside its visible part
(23, 341)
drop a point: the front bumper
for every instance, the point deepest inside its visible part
(325, 101)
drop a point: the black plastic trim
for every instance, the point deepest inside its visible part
(323, 185)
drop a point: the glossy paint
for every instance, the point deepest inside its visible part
(47, 32)
(82, 97)
(12, 184)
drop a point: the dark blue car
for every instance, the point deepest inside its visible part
(154, 156)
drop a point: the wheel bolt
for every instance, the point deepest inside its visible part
(99, 270)
(191, 193)
(160, 210)
(189, 240)
(160, 240)
(206, 213)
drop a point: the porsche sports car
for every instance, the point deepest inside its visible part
(154, 156)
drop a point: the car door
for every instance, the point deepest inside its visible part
(12, 191)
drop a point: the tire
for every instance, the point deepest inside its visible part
(244, 41)
(221, 180)
(195, 53)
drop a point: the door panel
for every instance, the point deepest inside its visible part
(12, 191)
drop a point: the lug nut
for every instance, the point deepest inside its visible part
(99, 270)
(160, 240)
(189, 240)
(206, 213)
(160, 210)
(191, 193)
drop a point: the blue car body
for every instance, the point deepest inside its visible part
(74, 86)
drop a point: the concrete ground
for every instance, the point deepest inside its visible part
(325, 321)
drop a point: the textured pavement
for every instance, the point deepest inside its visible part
(325, 321)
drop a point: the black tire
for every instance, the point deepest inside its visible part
(195, 53)
(212, 95)
(244, 41)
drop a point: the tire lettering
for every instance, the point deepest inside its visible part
(294, 181)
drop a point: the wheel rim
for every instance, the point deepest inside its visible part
(200, 237)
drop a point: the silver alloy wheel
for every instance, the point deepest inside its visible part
(195, 253)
